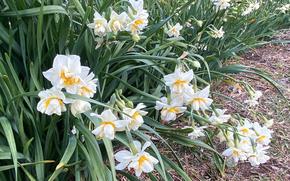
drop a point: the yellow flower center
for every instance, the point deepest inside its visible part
(142, 159)
(261, 138)
(198, 100)
(47, 101)
(236, 153)
(245, 130)
(173, 110)
(108, 123)
(68, 80)
(137, 23)
(179, 82)
(85, 90)
(135, 115)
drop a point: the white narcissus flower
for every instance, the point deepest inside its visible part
(199, 100)
(169, 111)
(217, 33)
(139, 17)
(79, 107)
(109, 125)
(235, 154)
(100, 25)
(197, 132)
(142, 161)
(246, 129)
(52, 101)
(118, 22)
(219, 117)
(283, 9)
(88, 85)
(222, 4)
(174, 31)
(258, 156)
(252, 7)
(65, 73)
(135, 118)
(178, 81)
(263, 134)
(254, 98)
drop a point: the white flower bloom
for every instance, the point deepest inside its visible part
(174, 31)
(169, 111)
(65, 73)
(135, 118)
(252, 7)
(254, 98)
(138, 6)
(79, 106)
(124, 157)
(284, 8)
(258, 156)
(178, 81)
(235, 154)
(227, 135)
(88, 85)
(199, 100)
(109, 125)
(246, 129)
(222, 4)
(100, 25)
(118, 22)
(269, 123)
(142, 161)
(52, 101)
(217, 33)
(219, 117)
(263, 134)
(245, 144)
(197, 132)
(139, 17)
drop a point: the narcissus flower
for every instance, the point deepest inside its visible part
(235, 154)
(88, 83)
(139, 17)
(142, 161)
(109, 125)
(252, 7)
(258, 156)
(199, 100)
(65, 72)
(179, 81)
(217, 33)
(52, 101)
(79, 106)
(174, 31)
(263, 134)
(222, 4)
(100, 25)
(197, 132)
(135, 118)
(246, 129)
(118, 22)
(219, 117)
(169, 111)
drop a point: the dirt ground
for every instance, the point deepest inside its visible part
(274, 59)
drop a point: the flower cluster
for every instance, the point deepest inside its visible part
(216, 33)
(67, 74)
(222, 4)
(254, 97)
(283, 9)
(134, 21)
(249, 142)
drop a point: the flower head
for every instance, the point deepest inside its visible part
(79, 106)
(199, 100)
(197, 132)
(217, 33)
(88, 85)
(179, 81)
(245, 129)
(169, 111)
(258, 156)
(219, 117)
(52, 101)
(263, 134)
(174, 31)
(100, 25)
(135, 118)
(109, 125)
(65, 72)
(118, 22)
(222, 4)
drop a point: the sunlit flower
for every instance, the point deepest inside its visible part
(217, 33)
(219, 117)
(135, 118)
(118, 22)
(235, 154)
(88, 83)
(169, 111)
(199, 100)
(65, 72)
(222, 4)
(100, 25)
(52, 101)
(246, 128)
(109, 125)
(258, 156)
(79, 106)
(174, 31)
(263, 134)
(142, 161)
(196, 132)
(178, 81)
